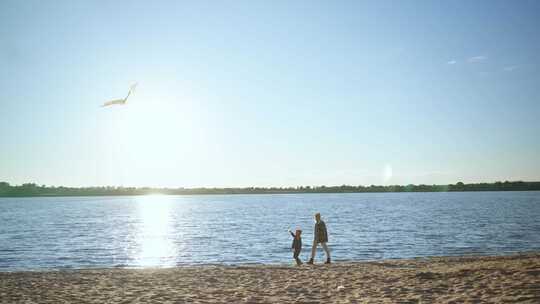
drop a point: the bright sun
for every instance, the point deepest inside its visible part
(150, 135)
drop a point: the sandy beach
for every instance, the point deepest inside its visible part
(500, 279)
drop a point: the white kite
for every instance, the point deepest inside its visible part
(120, 101)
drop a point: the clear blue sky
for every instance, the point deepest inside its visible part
(269, 93)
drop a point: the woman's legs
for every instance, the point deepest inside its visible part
(313, 250)
(327, 250)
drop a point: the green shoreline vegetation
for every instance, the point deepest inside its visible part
(32, 189)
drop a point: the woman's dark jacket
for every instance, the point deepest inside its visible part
(320, 234)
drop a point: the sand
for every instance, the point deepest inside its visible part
(503, 279)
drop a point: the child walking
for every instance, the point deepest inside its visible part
(297, 245)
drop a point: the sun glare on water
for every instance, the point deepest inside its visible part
(155, 239)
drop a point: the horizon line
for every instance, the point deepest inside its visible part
(264, 187)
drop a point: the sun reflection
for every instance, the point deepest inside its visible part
(155, 236)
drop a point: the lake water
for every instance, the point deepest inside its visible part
(163, 231)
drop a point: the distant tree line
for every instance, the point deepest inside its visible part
(31, 189)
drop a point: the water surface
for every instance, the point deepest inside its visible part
(161, 231)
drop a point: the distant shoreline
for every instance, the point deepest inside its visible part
(248, 193)
(34, 190)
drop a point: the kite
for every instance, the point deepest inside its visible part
(120, 101)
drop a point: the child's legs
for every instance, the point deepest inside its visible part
(295, 256)
(326, 249)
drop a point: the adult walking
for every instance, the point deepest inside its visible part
(320, 236)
